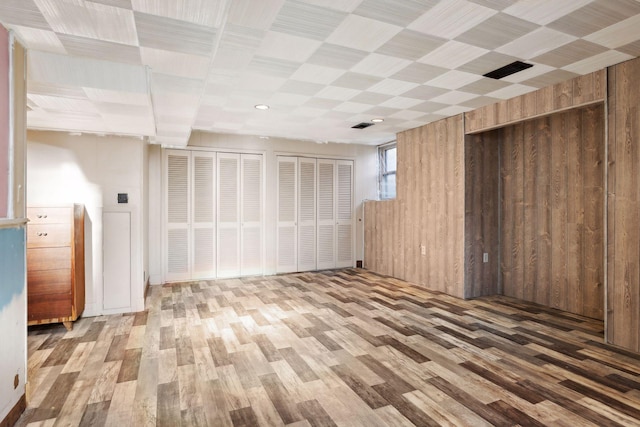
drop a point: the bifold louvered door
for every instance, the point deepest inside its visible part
(240, 214)
(287, 248)
(189, 215)
(344, 214)
(306, 214)
(315, 214)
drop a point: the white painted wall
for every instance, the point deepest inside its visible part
(92, 170)
(365, 183)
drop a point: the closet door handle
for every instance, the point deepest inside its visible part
(42, 216)
(42, 234)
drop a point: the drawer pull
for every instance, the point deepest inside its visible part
(42, 216)
(42, 234)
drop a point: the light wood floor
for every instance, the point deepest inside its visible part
(346, 348)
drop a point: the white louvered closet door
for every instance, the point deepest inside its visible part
(228, 215)
(326, 214)
(177, 213)
(251, 213)
(344, 214)
(287, 260)
(306, 214)
(203, 224)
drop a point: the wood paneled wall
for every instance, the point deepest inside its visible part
(572, 93)
(482, 203)
(623, 231)
(429, 211)
(552, 216)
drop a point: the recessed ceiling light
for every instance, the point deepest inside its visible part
(262, 107)
(377, 120)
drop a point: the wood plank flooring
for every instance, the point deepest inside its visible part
(334, 348)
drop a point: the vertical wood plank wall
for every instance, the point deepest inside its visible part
(481, 214)
(552, 229)
(623, 210)
(429, 211)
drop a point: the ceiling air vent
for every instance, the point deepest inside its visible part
(362, 125)
(508, 69)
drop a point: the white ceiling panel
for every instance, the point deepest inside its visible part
(448, 19)
(363, 33)
(203, 12)
(543, 12)
(161, 67)
(92, 20)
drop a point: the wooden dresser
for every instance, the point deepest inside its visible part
(55, 264)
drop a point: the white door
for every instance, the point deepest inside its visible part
(177, 214)
(306, 214)
(326, 214)
(203, 224)
(228, 251)
(287, 260)
(345, 237)
(251, 213)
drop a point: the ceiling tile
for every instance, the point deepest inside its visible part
(58, 103)
(380, 65)
(632, 49)
(272, 66)
(453, 54)
(172, 34)
(397, 12)
(448, 19)
(371, 98)
(428, 107)
(596, 16)
(616, 35)
(301, 88)
(287, 47)
(484, 86)
(410, 44)
(306, 20)
(261, 82)
(317, 74)
(67, 91)
(425, 93)
(352, 107)
(453, 79)
(124, 4)
(122, 109)
(168, 83)
(22, 12)
(117, 97)
(453, 110)
(280, 100)
(511, 91)
(418, 73)
(393, 87)
(569, 53)
(529, 73)
(339, 93)
(543, 12)
(202, 12)
(408, 115)
(91, 20)
(497, 31)
(343, 5)
(254, 14)
(86, 72)
(363, 33)
(536, 43)
(487, 62)
(494, 4)
(454, 97)
(597, 62)
(550, 78)
(99, 49)
(241, 38)
(356, 81)
(480, 101)
(332, 55)
(323, 103)
(400, 102)
(382, 111)
(38, 39)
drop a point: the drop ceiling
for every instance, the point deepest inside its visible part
(162, 68)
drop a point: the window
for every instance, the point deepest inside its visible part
(387, 168)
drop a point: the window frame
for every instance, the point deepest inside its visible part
(383, 172)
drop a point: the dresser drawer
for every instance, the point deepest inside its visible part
(52, 306)
(48, 235)
(49, 215)
(47, 282)
(48, 258)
